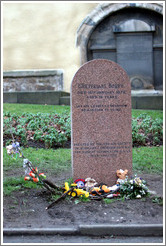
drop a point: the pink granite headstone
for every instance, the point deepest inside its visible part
(101, 121)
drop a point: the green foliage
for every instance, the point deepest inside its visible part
(55, 197)
(109, 200)
(51, 129)
(154, 114)
(70, 181)
(147, 131)
(158, 200)
(54, 130)
(84, 199)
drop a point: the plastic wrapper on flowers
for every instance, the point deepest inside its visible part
(133, 188)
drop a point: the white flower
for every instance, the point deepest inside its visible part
(9, 149)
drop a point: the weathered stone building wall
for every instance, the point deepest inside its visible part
(130, 34)
(42, 35)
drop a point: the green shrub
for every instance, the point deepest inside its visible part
(50, 129)
(147, 131)
(54, 130)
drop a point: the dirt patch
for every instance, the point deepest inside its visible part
(37, 145)
(26, 208)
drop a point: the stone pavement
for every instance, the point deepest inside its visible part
(87, 233)
(80, 239)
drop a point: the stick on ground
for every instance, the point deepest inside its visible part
(52, 185)
(60, 198)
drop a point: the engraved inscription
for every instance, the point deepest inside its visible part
(100, 107)
(98, 149)
(101, 91)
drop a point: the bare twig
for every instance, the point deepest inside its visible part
(12, 135)
(52, 185)
(60, 198)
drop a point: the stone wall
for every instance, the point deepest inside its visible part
(33, 80)
(37, 97)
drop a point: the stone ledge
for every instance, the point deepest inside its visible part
(40, 231)
(152, 102)
(92, 230)
(122, 230)
(32, 73)
(138, 101)
(146, 93)
(33, 80)
(34, 97)
(65, 100)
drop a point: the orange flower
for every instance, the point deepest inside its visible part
(42, 175)
(36, 180)
(27, 178)
(32, 174)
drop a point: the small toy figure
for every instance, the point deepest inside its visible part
(114, 188)
(121, 175)
(90, 183)
(80, 183)
(104, 189)
(100, 190)
(14, 148)
(75, 192)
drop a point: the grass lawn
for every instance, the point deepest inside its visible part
(47, 160)
(51, 161)
(34, 108)
(148, 159)
(154, 114)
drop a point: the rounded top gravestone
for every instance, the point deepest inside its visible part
(101, 121)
